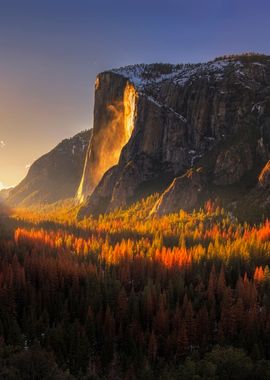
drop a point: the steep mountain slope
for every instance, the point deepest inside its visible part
(54, 176)
(4, 193)
(214, 115)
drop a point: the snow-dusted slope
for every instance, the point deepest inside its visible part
(143, 75)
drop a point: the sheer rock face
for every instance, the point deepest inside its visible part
(185, 191)
(184, 113)
(54, 176)
(232, 164)
(110, 132)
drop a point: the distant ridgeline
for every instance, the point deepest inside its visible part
(55, 176)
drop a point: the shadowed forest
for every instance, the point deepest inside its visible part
(125, 296)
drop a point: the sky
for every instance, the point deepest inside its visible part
(52, 50)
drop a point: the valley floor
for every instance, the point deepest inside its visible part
(125, 296)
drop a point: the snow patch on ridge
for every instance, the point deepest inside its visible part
(143, 75)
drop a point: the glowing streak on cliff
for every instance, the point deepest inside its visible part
(81, 194)
(97, 83)
(130, 96)
(108, 141)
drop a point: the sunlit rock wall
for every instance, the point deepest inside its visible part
(114, 117)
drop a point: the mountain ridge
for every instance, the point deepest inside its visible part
(54, 176)
(183, 112)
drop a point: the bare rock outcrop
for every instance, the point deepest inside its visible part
(183, 193)
(232, 164)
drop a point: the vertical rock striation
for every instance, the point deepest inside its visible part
(114, 116)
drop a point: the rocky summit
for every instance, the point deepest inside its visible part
(195, 131)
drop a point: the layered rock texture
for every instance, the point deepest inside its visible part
(155, 122)
(54, 176)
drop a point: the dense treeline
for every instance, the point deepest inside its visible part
(184, 296)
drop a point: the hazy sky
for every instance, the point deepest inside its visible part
(51, 51)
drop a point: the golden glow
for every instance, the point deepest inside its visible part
(97, 83)
(108, 141)
(130, 100)
(81, 196)
(264, 175)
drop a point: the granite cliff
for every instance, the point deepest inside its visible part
(153, 123)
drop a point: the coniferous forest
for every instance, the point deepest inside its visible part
(127, 296)
(134, 190)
